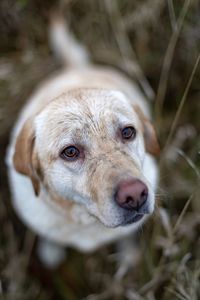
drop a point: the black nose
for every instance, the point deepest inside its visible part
(131, 194)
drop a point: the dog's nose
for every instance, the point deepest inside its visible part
(131, 195)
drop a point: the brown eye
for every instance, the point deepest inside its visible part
(128, 133)
(70, 153)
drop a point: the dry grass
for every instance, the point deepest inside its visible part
(160, 39)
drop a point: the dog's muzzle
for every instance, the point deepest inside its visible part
(132, 195)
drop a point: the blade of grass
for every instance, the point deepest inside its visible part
(172, 14)
(128, 55)
(178, 222)
(162, 87)
(176, 118)
(177, 294)
(190, 162)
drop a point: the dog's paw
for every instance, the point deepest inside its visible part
(50, 254)
(127, 258)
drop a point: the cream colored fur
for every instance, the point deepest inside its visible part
(84, 105)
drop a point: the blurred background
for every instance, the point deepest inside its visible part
(153, 39)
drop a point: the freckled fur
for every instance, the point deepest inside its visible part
(75, 205)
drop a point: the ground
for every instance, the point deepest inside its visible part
(163, 37)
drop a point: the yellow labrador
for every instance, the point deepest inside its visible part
(80, 160)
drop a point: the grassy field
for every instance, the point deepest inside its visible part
(153, 39)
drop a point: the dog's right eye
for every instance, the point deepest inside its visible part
(70, 153)
(128, 133)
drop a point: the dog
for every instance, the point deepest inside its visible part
(81, 157)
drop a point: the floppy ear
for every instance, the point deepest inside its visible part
(25, 158)
(150, 138)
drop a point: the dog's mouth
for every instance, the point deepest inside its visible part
(133, 219)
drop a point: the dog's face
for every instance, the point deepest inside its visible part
(89, 146)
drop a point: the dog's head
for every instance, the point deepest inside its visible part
(89, 146)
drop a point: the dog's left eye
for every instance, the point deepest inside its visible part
(70, 153)
(128, 133)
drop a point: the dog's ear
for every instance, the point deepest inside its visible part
(150, 138)
(25, 158)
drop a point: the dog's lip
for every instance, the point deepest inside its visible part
(133, 219)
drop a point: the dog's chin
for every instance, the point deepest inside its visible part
(134, 219)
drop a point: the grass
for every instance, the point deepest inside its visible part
(145, 39)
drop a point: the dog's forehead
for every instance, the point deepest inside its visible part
(86, 104)
(81, 109)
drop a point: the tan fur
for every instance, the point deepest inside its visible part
(25, 159)
(150, 137)
(74, 202)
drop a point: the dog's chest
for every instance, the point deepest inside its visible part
(92, 236)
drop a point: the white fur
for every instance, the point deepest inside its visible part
(106, 93)
(50, 221)
(63, 43)
(51, 254)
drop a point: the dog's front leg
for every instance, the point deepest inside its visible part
(127, 257)
(50, 254)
